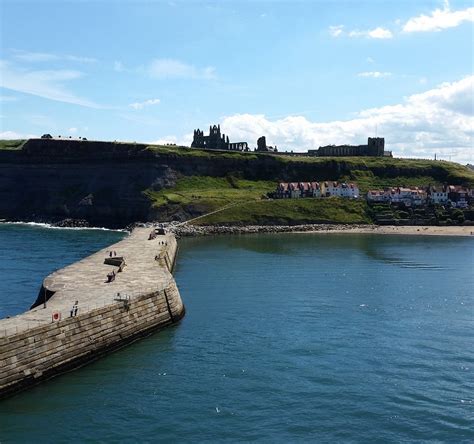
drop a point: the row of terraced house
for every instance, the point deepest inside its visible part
(453, 195)
(295, 190)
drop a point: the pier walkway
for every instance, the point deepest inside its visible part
(86, 281)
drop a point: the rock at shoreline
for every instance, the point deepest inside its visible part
(187, 230)
(72, 223)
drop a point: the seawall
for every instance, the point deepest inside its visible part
(141, 298)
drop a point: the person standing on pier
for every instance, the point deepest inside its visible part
(74, 309)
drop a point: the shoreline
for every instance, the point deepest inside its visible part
(180, 230)
(409, 230)
(60, 227)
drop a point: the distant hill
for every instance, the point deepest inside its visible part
(113, 184)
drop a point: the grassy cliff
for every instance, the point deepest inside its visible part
(13, 144)
(251, 176)
(126, 182)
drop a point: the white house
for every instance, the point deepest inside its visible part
(329, 189)
(378, 196)
(350, 190)
(335, 189)
(408, 196)
(438, 195)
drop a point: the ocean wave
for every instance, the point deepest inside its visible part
(53, 227)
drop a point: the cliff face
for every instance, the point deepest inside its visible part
(103, 182)
(105, 195)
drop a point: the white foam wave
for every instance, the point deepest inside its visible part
(49, 226)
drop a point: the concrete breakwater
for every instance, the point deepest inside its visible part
(91, 308)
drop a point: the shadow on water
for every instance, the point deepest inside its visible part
(383, 248)
(387, 249)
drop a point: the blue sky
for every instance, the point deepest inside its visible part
(303, 73)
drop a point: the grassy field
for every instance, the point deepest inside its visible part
(202, 194)
(367, 180)
(368, 172)
(291, 212)
(11, 144)
(211, 192)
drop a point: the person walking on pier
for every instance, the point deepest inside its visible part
(74, 309)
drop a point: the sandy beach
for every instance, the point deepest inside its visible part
(403, 230)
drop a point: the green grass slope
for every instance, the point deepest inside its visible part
(15, 144)
(196, 195)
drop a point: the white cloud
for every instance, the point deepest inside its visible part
(33, 57)
(336, 31)
(141, 105)
(374, 74)
(165, 141)
(436, 121)
(47, 84)
(72, 130)
(12, 135)
(439, 19)
(377, 33)
(182, 141)
(170, 68)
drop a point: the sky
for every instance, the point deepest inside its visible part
(303, 73)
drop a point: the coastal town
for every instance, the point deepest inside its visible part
(448, 195)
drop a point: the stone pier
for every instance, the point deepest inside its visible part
(94, 306)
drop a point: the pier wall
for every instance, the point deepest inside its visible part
(29, 357)
(39, 353)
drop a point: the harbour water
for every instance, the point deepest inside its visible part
(287, 338)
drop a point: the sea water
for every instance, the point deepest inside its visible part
(287, 338)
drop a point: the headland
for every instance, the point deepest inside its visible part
(114, 184)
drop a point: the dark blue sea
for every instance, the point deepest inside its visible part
(287, 338)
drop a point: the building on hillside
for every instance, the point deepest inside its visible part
(329, 189)
(471, 195)
(379, 196)
(458, 196)
(408, 196)
(288, 190)
(295, 190)
(438, 195)
(216, 141)
(310, 189)
(336, 189)
(412, 196)
(375, 147)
